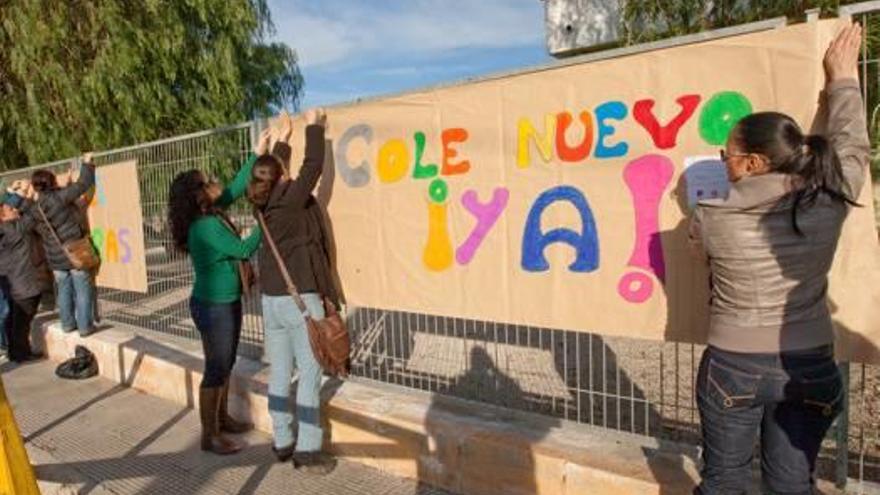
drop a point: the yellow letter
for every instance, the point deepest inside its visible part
(544, 143)
(393, 160)
(112, 250)
(438, 251)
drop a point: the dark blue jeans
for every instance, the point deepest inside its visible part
(791, 398)
(5, 313)
(220, 328)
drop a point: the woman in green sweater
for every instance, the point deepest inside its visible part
(200, 227)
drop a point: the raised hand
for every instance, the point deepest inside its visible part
(286, 129)
(316, 116)
(262, 146)
(842, 57)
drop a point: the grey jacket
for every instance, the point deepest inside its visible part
(769, 284)
(64, 215)
(21, 258)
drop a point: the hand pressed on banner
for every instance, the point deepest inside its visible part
(842, 57)
(262, 146)
(316, 116)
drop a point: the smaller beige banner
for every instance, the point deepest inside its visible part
(117, 228)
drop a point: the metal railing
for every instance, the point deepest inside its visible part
(637, 386)
(165, 306)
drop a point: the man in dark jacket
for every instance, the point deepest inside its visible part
(26, 284)
(76, 294)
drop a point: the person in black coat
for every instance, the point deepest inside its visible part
(75, 290)
(19, 257)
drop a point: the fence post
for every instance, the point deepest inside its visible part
(256, 127)
(842, 432)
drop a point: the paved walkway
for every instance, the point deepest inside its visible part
(94, 437)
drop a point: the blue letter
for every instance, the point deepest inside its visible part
(611, 110)
(585, 243)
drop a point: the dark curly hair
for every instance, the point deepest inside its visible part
(266, 173)
(187, 202)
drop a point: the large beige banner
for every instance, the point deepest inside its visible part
(559, 197)
(117, 227)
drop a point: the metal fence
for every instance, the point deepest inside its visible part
(165, 306)
(637, 386)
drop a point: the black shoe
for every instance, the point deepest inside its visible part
(284, 454)
(28, 358)
(317, 463)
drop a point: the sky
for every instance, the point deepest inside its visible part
(351, 49)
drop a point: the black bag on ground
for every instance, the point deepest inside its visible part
(83, 365)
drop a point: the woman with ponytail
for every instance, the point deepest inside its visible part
(770, 366)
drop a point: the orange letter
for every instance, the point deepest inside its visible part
(577, 153)
(449, 136)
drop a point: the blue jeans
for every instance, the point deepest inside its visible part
(5, 313)
(791, 398)
(287, 342)
(76, 296)
(219, 324)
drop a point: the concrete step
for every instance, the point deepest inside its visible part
(468, 448)
(97, 437)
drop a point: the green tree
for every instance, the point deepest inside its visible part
(649, 20)
(99, 74)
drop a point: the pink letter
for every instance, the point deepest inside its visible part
(486, 214)
(647, 178)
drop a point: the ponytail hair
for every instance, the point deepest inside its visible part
(266, 174)
(811, 159)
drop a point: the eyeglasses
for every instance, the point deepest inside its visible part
(210, 181)
(725, 156)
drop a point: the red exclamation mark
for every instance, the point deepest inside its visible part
(647, 178)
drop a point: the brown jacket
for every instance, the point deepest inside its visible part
(295, 222)
(769, 284)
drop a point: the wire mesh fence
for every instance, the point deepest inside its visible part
(636, 386)
(165, 306)
(858, 451)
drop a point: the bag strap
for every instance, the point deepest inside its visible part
(49, 224)
(291, 287)
(228, 222)
(224, 219)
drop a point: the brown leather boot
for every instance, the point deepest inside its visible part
(212, 439)
(315, 463)
(227, 423)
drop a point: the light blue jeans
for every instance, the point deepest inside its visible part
(287, 343)
(75, 300)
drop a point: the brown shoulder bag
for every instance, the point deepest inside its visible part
(80, 252)
(245, 269)
(328, 337)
